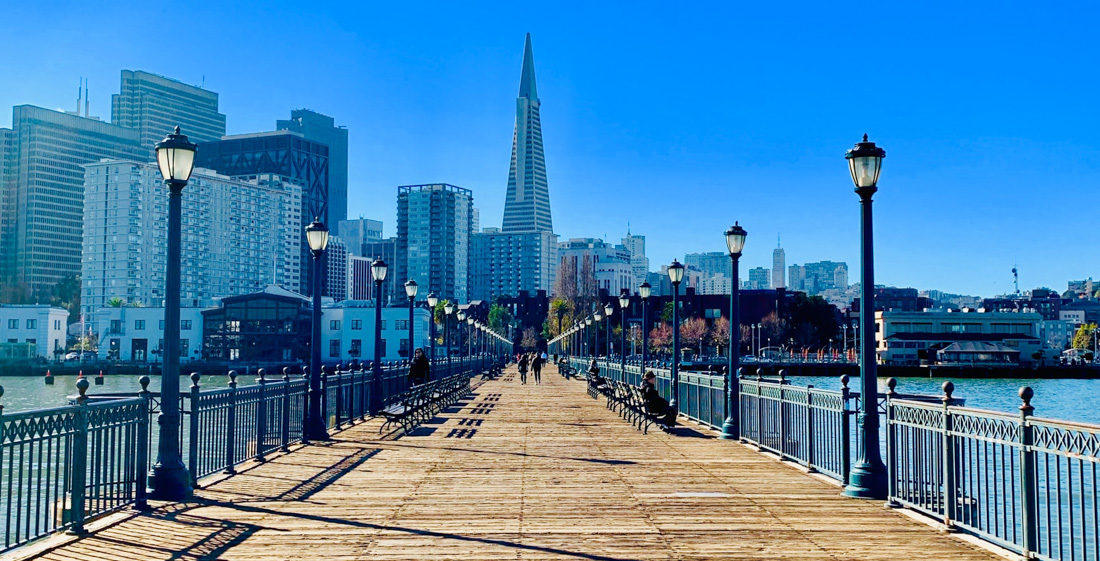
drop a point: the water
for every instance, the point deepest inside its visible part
(22, 393)
(1067, 400)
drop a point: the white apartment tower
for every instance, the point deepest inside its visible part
(779, 267)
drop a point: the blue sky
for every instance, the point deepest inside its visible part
(677, 120)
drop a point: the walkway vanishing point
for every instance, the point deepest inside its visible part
(515, 472)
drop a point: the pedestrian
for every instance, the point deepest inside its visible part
(419, 369)
(537, 366)
(522, 363)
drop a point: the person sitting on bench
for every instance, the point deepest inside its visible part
(420, 369)
(654, 403)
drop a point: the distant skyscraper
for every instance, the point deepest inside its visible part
(42, 190)
(246, 239)
(322, 129)
(527, 207)
(610, 263)
(359, 232)
(336, 269)
(710, 263)
(504, 264)
(386, 250)
(779, 268)
(154, 105)
(433, 238)
(638, 261)
(759, 278)
(813, 278)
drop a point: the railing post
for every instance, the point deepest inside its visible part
(759, 408)
(950, 490)
(810, 436)
(845, 430)
(231, 426)
(741, 409)
(193, 431)
(79, 460)
(305, 410)
(284, 416)
(324, 394)
(339, 422)
(891, 446)
(261, 415)
(140, 501)
(1029, 511)
(782, 421)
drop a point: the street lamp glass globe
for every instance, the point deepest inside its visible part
(865, 163)
(470, 321)
(432, 300)
(608, 310)
(597, 316)
(317, 236)
(449, 308)
(410, 289)
(675, 272)
(461, 315)
(735, 239)
(624, 300)
(588, 320)
(378, 270)
(644, 290)
(175, 157)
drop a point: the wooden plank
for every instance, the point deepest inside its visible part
(520, 472)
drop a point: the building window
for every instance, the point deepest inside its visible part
(357, 324)
(334, 348)
(233, 326)
(116, 326)
(288, 354)
(383, 328)
(185, 347)
(32, 324)
(57, 324)
(160, 325)
(234, 354)
(334, 325)
(13, 324)
(356, 347)
(185, 324)
(139, 324)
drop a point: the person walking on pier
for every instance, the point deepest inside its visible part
(420, 369)
(522, 368)
(536, 365)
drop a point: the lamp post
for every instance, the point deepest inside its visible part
(624, 306)
(469, 336)
(448, 309)
(675, 274)
(608, 310)
(731, 428)
(587, 335)
(868, 476)
(317, 238)
(170, 480)
(644, 291)
(759, 338)
(410, 291)
(461, 315)
(378, 271)
(597, 317)
(433, 300)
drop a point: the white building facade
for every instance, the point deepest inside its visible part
(32, 330)
(611, 264)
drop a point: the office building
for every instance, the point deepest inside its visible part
(527, 207)
(237, 236)
(759, 278)
(386, 250)
(815, 278)
(710, 263)
(336, 269)
(434, 224)
(43, 190)
(322, 129)
(503, 265)
(358, 233)
(639, 263)
(779, 268)
(154, 105)
(610, 263)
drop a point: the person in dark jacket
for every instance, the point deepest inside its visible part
(522, 368)
(536, 365)
(420, 369)
(654, 403)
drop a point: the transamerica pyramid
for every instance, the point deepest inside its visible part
(527, 207)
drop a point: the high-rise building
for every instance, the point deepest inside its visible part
(710, 263)
(336, 269)
(779, 268)
(610, 263)
(285, 153)
(359, 232)
(42, 190)
(154, 105)
(639, 263)
(433, 238)
(322, 129)
(503, 265)
(527, 207)
(814, 278)
(386, 250)
(759, 278)
(237, 236)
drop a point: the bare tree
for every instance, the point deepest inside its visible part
(530, 340)
(692, 333)
(719, 334)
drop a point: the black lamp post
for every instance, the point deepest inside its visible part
(433, 300)
(317, 238)
(597, 317)
(624, 305)
(675, 274)
(378, 271)
(469, 336)
(588, 336)
(170, 480)
(608, 311)
(410, 291)
(867, 479)
(448, 310)
(644, 292)
(461, 315)
(731, 428)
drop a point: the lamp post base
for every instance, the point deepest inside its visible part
(729, 431)
(315, 430)
(866, 481)
(170, 483)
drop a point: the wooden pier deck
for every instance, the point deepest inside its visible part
(516, 472)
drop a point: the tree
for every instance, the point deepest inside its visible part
(116, 302)
(775, 329)
(692, 333)
(499, 317)
(557, 314)
(16, 293)
(530, 341)
(666, 312)
(66, 294)
(813, 321)
(660, 338)
(1083, 338)
(719, 334)
(565, 283)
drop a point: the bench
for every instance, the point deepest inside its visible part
(628, 401)
(420, 403)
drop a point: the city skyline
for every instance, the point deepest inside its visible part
(979, 161)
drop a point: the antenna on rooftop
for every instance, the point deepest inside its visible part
(85, 100)
(79, 90)
(1015, 277)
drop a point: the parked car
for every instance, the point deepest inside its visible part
(76, 355)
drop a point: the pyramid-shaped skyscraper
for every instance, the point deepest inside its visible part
(527, 208)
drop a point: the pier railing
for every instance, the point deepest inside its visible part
(1027, 484)
(63, 465)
